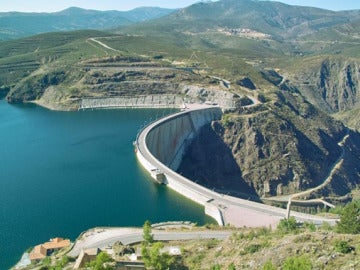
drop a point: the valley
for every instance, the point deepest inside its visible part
(286, 78)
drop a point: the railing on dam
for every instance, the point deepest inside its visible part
(162, 144)
(160, 148)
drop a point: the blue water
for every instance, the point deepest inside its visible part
(64, 172)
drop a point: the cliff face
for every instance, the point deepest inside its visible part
(273, 149)
(116, 78)
(331, 84)
(338, 84)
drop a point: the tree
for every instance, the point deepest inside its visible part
(153, 258)
(100, 262)
(350, 219)
(147, 236)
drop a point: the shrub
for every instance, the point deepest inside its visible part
(297, 263)
(252, 248)
(154, 259)
(350, 219)
(287, 225)
(343, 247)
(310, 226)
(215, 267)
(268, 266)
(99, 263)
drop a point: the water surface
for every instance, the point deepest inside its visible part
(64, 172)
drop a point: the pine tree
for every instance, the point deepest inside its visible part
(350, 219)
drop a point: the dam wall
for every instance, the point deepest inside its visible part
(168, 140)
(149, 101)
(161, 146)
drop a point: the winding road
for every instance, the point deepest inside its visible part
(234, 211)
(105, 237)
(336, 166)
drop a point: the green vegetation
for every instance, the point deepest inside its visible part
(16, 25)
(300, 248)
(151, 252)
(289, 225)
(350, 218)
(101, 262)
(268, 266)
(297, 263)
(153, 258)
(290, 140)
(147, 236)
(343, 247)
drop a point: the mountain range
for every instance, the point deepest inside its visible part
(300, 63)
(16, 24)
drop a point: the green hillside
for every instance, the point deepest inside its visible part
(279, 20)
(16, 24)
(301, 64)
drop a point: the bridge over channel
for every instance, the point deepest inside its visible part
(160, 147)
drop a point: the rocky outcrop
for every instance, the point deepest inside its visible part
(338, 83)
(119, 82)
(33, 87)
(275, 149)
(332, 84)
(247, 83)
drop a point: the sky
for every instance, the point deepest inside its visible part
(52, 6)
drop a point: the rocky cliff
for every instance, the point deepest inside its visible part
(273, 149)
(332, 84)
(116, 79)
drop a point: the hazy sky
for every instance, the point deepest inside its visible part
(51, 5)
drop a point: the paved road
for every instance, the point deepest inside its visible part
(103, 44)
(336, 166)
(235, 211)
(101, 238)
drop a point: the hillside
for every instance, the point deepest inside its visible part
(301, 65)
(304, 247)
(280, 21)
(16, 24)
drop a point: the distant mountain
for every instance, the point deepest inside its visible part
(302, 65)
(279, 20)
(16, 24)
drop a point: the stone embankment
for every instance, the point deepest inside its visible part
(152, 101)
(188, 94)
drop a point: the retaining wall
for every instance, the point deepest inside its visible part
(149, 101)
(163, 145)
(168, 140)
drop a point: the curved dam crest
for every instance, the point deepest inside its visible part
(162, 145)
(169, 140)
(160, 148)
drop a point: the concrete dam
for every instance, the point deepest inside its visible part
(169, 140)
(160, 147)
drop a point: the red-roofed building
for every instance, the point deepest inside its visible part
(41, 251)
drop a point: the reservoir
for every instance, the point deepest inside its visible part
(64, 172)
